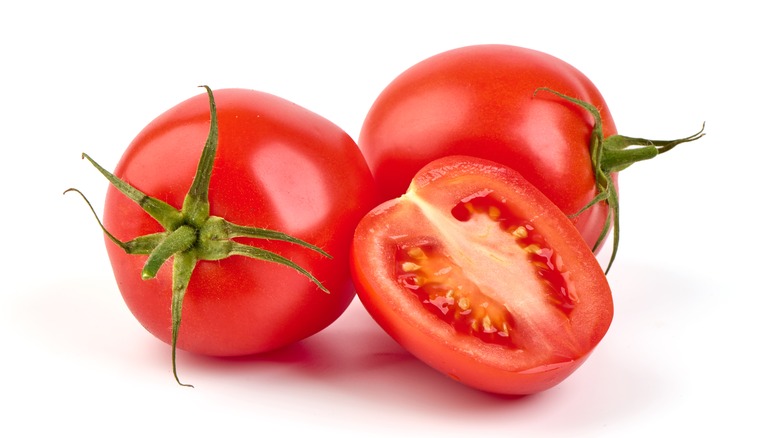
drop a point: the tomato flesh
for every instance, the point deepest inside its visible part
(482, 277)
(533, 243)
(444, 290)
(443, 287)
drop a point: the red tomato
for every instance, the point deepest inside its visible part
(484, 101)
(278, 166)
(478, 274)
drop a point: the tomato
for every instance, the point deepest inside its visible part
(278, 167)
(486, 101)
(478, 274)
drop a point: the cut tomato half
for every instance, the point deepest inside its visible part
(479, 275)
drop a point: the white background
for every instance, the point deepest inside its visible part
(692, 347)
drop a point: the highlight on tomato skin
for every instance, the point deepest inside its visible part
(479, 275)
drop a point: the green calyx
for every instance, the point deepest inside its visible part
(614, 154)
(192, 234)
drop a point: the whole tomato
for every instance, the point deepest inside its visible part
(515, 106)
(275, 182)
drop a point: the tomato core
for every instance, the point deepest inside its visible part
(443, 287)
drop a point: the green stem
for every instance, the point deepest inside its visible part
(261, 233)
(196, 203)
(619, 160)
(165, 214)
(183, 266)
(262, 254)
(621, 151)
(178, 241)
(612, 155)
(139, 245)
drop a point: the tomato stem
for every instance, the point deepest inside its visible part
(621, 151)
(612, 155)
(192, 234)
(182, 239)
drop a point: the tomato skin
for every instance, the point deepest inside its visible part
(278, 166)
(480, 101)
(558, 343)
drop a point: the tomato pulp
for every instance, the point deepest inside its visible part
(277, 166)
(478, 274)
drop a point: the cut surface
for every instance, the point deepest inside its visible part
(487, 265)
(478, 274)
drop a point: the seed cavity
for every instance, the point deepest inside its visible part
(443, 288)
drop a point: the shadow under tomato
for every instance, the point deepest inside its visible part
(353, 364)
(622, 378)
(355, 360)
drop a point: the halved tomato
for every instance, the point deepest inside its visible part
(482, 277)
